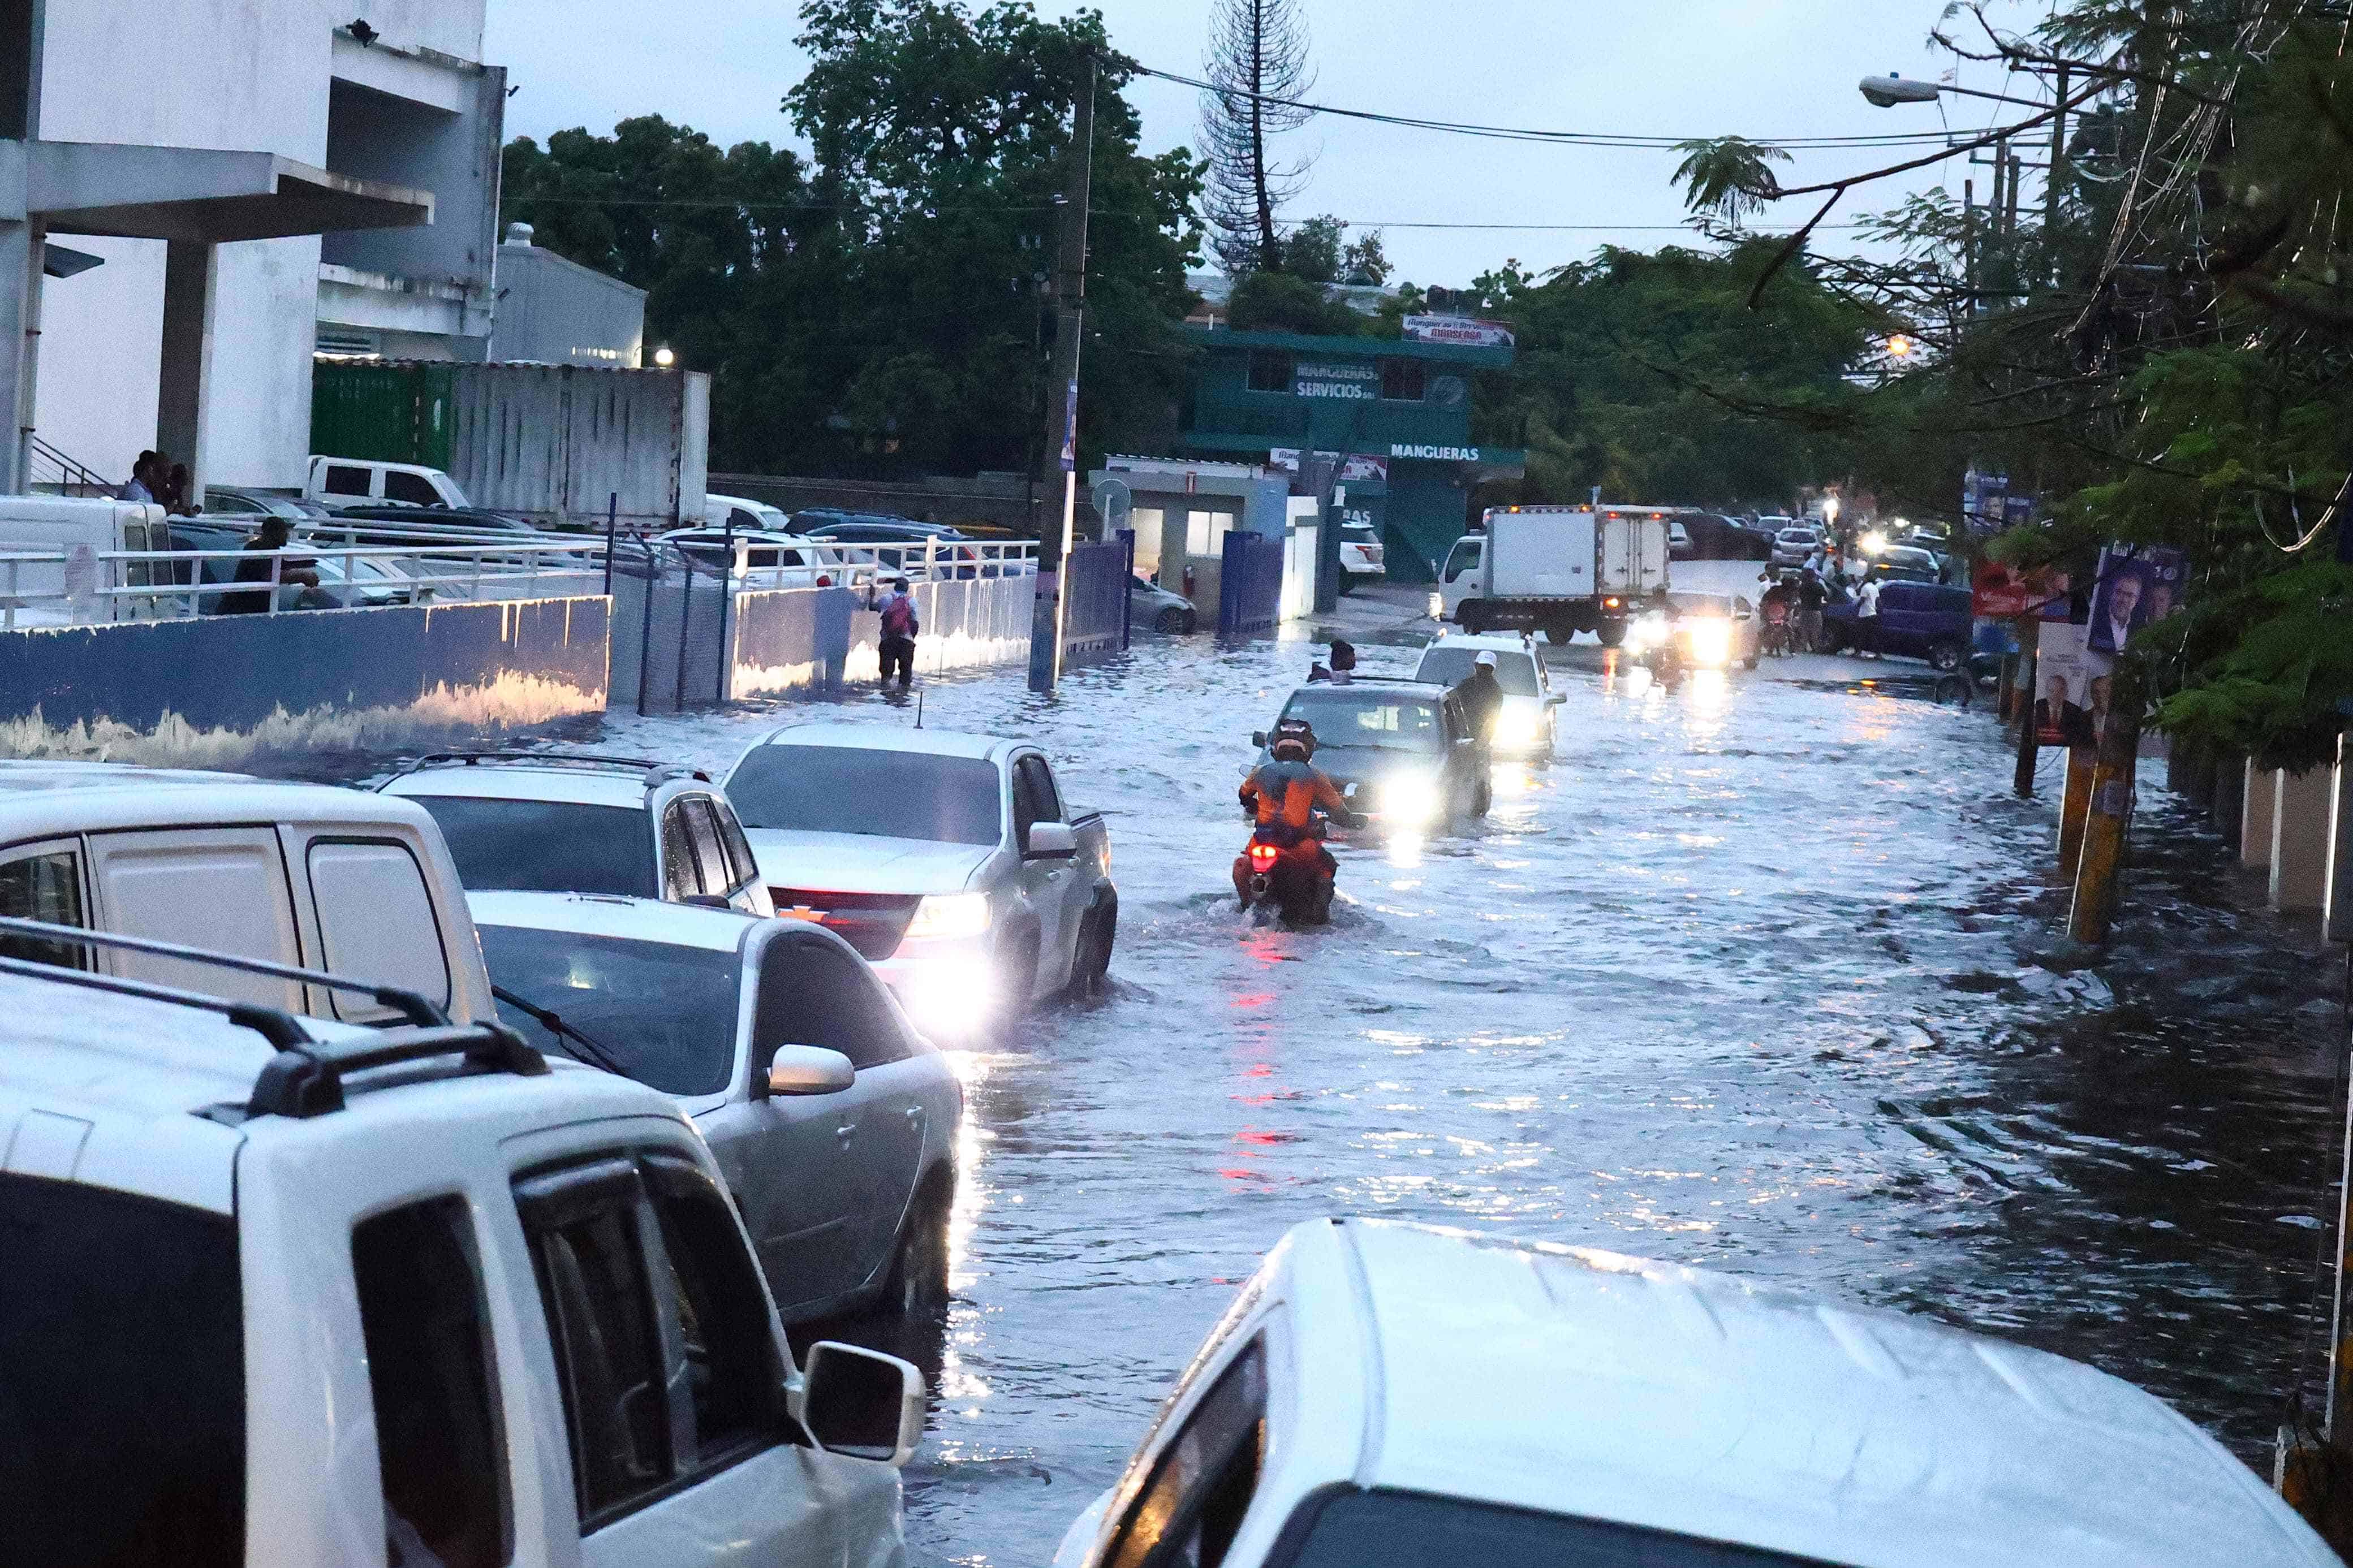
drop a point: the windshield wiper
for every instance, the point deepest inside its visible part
(590, 1051)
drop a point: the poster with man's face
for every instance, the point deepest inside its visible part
(2135, 586)
(2070, 687)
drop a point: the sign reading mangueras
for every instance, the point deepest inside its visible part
(1434, 454)
(1355, 382)
(1461, 330)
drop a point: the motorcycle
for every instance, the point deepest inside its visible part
(1664, 660)
(1286, 871)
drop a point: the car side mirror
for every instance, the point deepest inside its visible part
(1258, 737)
(1050, 841)
(1555, 698)
(809, 1069)
(706, 901)
(859, 1402)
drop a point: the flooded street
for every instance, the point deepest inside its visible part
(1746, 977)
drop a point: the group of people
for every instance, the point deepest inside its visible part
(1796, 600)
(1481, 693)
(159, 481)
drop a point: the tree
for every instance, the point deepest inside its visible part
(1313, 250)
(881, 313)
(1258, 70)
(1365, 262)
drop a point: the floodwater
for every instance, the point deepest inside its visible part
(1760, 976)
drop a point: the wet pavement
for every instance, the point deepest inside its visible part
(1760, 976)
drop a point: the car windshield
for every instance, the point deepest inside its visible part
(124, 1320)
(855, 789)
(548, 846)
(1701, 604)
(1369, 720)
(665, 1013)
(1411, 1530)
(1443, 665)
(1797, 536)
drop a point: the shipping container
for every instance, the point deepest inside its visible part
(551, 443)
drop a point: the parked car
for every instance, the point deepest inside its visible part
(337, 482)
(333, 879)
(952, 862)
(353, 583)
(832, 1118)
(1401, 751)
(1906, 564)
(1716, 630)
(1679, 540)
(900, 546)
(1361, 556)
(287, 1292)
(771, 558)
(740, 513)
(1916, 620)
(1150, 605)
(1396, 1394)
(1524, 725)
(1793, 546)
(236, 501)
(562, 822)
(414, 524)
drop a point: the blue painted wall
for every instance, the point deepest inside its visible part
(221, 689)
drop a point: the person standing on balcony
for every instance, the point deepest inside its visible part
(142, 486)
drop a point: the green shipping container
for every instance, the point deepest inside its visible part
(387, 413)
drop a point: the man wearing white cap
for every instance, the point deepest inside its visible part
(1482, 697)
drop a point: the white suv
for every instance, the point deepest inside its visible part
(281, 1290)
(560, 822)
(1524, 725)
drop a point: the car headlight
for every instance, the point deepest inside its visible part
(1646, 631)
(1516, 727)
(1410, 799)
(1710, 642)
(950, 915)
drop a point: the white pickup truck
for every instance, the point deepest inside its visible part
(950, 861)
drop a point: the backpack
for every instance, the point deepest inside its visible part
(898, 617)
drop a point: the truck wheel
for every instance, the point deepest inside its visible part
(1091, 970)
(1946, 656)
(1559, 632)
(1612, 633)
(1469, 616)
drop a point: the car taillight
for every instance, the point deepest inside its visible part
(1609, 603)
(1263, 857)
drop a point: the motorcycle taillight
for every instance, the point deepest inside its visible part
(1263, 857)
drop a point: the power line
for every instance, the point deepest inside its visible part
(1557, 138)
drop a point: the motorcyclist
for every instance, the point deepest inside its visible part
(1482, 695)
(1284, 794)
(1343, 667)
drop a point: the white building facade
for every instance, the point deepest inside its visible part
(377, 212)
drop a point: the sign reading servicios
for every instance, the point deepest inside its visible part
(1354, 383)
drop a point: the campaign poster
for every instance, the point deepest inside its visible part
(2070, 687)
(2004, 593)
(2137, 586)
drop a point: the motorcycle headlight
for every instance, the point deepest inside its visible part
(950, 915)
(1710, 642)
(1647, 631)
(1411, 800)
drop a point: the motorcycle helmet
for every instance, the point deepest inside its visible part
(1297, 736)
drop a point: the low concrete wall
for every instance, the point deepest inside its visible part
(791, 639)
(219, 691)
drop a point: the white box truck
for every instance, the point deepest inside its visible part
(1559, 570)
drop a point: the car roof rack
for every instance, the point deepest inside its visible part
(652, 769)
(305, 1078)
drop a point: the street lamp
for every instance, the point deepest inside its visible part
(663, 358)
(1887, 91)
(1899, 346)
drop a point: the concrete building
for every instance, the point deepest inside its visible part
(552, 311)
(258, 179)
(1402, 405)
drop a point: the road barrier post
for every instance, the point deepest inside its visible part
(2094, 908)
(2076, 807)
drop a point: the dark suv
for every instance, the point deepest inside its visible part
(1916, 620)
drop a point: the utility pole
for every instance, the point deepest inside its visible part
(1061, 434)
(2054, 178)
(1970, 271)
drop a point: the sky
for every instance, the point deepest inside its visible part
(1676, 68)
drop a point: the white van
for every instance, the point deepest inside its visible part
(738, 513)
(71, 591)
(338, 879)
(354, 481)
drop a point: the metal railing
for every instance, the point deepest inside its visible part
(70, 477)
(424, 564)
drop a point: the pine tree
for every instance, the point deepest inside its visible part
(1257, 54)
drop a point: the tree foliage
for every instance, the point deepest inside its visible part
(879, 311)
(1257, 59)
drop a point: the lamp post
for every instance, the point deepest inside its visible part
(1887, 91)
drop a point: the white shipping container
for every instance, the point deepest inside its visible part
(1539, 554)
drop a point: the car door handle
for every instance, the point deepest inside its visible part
(845, 1130)
(914, 1113)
